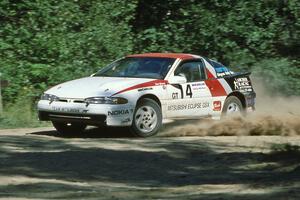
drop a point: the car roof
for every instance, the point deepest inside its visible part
(165, 55)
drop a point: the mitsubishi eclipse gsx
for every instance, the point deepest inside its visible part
(139, 91)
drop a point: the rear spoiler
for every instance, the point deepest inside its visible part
(242, 73)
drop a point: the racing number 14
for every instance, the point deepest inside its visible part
(188, 92)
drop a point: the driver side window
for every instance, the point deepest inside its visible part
(193, 71)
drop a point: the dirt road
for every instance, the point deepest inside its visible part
(39, 164)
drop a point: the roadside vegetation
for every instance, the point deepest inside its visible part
(286, 149)
(20, 114)
(43, 43)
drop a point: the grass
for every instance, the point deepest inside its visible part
(286, 153)
(20, 114)
(285, 148)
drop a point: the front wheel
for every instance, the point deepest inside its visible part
(147, 118)
(233, 106)
(68, 128)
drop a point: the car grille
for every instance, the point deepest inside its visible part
(67, 100)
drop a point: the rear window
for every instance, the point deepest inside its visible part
(221, 70)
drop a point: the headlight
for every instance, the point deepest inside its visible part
(49, 97)
(106, 100)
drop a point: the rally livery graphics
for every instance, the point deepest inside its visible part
(139, 91)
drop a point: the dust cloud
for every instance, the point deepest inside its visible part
(274, 115)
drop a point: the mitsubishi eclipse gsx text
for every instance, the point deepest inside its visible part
(139, 91)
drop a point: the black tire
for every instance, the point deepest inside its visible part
(233, 101)
(69, 128)
(144, 123)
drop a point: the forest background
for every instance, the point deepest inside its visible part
(46, 42)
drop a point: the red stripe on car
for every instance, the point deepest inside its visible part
(215, 87)
(146, 84)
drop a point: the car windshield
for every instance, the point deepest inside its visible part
(138, 67)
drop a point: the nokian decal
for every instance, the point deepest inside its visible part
(242, 84)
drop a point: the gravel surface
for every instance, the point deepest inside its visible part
(100, 164)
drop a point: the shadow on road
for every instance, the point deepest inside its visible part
(92, 132)
(135, 169)
(114, 132)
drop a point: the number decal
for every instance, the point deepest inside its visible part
(181, 90)
(189, 91)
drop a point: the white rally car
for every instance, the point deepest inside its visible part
(139, 91)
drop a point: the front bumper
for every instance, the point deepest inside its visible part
(71, 117)
(93, 114)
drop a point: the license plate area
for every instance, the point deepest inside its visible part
(67, 110)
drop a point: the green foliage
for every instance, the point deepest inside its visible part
(20, 114)
(43, 43)
(280, 75)
(287, 147)
(234, 32)
(285, 151)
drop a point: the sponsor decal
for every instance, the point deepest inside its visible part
(222, 74)
(119, 112)
(126, 120)
(68, 110)
(175, 95)
(144, 89)
(160, 83)
(188, 106)
(198, 86)
(242, 84)
(146, 84)
(217, 105)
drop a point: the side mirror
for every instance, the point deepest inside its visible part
(177, 80)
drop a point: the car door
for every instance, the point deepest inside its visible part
(192, 98)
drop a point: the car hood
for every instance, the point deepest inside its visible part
(94, 86)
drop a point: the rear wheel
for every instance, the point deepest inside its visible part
(68, 128)
(233, 106)
(147, 118)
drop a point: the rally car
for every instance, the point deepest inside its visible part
(139, 91)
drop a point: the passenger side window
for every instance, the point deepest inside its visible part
(193, 71)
